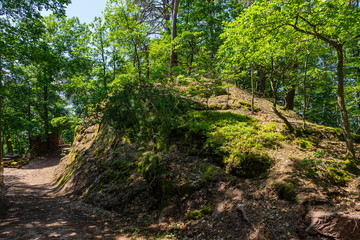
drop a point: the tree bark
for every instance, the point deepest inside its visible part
(1, 149)
(46, 115)
(166, 15)
(102, 45)
(174, 12)
(341, 101)
(252, 90)
(305, 78)
(9, 144)
(147, 62)
(290, 97)
(273, 88)
(261, 83)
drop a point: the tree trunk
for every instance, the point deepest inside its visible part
(114, 63)
(305, 79)
(252, 89)
(46, 115)
(166, 15)
(261, 83)
(290, 97)
(341, 101)
(1, 149)
(29, 130)
(174, 12)
(103, 61)
(9, 144)
(273, 88)
(147, 62)
(137, 57)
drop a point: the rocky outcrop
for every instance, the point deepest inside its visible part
(339, 226)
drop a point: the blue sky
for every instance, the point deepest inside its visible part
(85, 10)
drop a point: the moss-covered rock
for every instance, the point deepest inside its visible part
(351, 167)
(304, 143)
(197, 214)
(249, 164)
(210, 173)
(337, 176)
(285, 191)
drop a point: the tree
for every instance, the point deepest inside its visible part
(174, 14)
(128, 33)
(331, 22)
(13, 40)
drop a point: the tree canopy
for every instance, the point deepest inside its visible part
(303, 55)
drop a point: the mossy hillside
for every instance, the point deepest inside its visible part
(145, 114)
(323, 169)
(237, 139)
(150, 117)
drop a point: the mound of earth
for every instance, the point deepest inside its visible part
(189, 193)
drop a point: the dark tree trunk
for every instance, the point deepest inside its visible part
(29, 119)
(191, 59)
(147, 62)
(46, 115)
(114, 64)
(9, 144)
(252, 89)
(103, 61)
(274, 90)
(261, 83)
(1, 148)
(341, 101)
(305, 92)
(166, 15)
(174, 13)
(290, 97)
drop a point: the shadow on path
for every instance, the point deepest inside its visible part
(37, 213)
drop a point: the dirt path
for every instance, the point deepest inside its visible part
(36, 212)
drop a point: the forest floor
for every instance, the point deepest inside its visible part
(38, 212)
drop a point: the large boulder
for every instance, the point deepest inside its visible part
(339, 226)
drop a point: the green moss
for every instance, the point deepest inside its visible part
(149, 165)
(197, 214)
(208, 209)
(351, 167)
(304, 143)
(210, 173)
(286, 191)
(337, 177)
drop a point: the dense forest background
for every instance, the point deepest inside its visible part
(55, 72)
